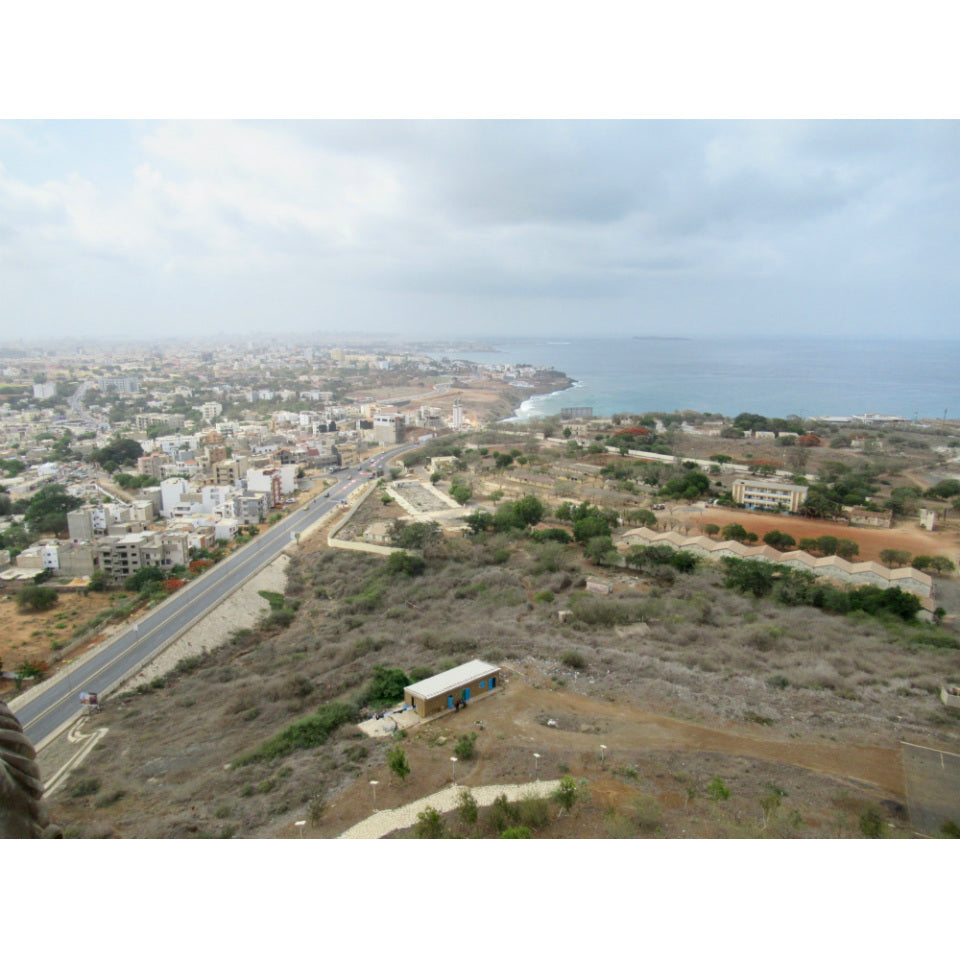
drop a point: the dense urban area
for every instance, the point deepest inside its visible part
(679, 623)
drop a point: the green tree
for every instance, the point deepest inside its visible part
(529, 510)
(479, 521)
(827, 545)
(397, 762)
(143, 577)
(36, 598)
(429, 825)
(386, 686)
(589, 527)
(711, 529)
(460, 492)
(566, 794)
(406, 564)
(467, 808)
(734, 531)
(118, 452)
(779, 541)
(894, 558)
(48, 509)
(599, 549)
(847, 549)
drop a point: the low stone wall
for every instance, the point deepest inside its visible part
(359, 545)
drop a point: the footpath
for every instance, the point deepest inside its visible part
(386, 821)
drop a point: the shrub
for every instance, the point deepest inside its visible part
(566, 794)
(544, 596)
(429, 825)
(717, 789)
(36, 598)
(397, 762)
(85, 788)
(467, 808)
(533, 811)
(871, 824)
(516, 833)
(403, 563)
(466, 746)
(386, 687)
(573, 659)
(304, 734)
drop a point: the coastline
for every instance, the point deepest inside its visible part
(528, 405)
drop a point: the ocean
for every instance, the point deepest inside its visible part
(776, 378)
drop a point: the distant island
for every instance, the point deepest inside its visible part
(659, 338)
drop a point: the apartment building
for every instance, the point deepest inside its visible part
(759, 494)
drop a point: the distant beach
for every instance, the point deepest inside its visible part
(806, 377)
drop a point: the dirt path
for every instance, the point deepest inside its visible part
(626, 728)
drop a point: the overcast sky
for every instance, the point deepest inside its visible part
(467, 228)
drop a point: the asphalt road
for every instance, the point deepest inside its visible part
(55, 704)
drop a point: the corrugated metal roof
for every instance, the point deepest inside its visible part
(460, 676)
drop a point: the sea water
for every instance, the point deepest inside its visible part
(777, 378)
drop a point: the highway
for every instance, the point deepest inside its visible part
(54, 704)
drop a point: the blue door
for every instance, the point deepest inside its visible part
(493, 682)
(466, 694)
(449, 701)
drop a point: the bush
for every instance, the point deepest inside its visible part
(397, 762)
(304, 734)
(386, 687)
(466, 746)
(516, 833)
(533, 811)
(717, 789)
(429, 825)
(467, 808)
(85, 788)
(574, 660)
(403, 563)
(36, 598)
(871, 824)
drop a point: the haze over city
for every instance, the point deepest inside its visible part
(421, 229)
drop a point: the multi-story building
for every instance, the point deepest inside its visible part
(758, 494)
(230, 472)
(44, 391)
(127, 385)
(387, 427)
(121, 557)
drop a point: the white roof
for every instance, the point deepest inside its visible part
(460, 676)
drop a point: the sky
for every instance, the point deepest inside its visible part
(444, 228)
(460, 228)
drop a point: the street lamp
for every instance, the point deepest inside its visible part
(300, 824)
(603, 748)
(453, 761)
(373, 783)
(536, 766)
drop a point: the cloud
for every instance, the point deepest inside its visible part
(415, 219)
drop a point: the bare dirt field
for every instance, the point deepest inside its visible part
(34, 636)
(907, 536)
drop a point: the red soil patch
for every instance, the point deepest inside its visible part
(871, 541)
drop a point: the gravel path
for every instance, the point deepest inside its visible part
(386, 821)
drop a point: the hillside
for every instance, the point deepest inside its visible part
(684, 680)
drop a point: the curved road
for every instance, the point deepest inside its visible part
(54, 704)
